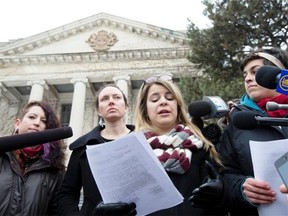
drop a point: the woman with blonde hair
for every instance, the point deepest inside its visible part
(180, 146)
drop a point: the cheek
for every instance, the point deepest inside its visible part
(151, 109)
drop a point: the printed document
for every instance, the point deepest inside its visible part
(128, 170)
(264, 154)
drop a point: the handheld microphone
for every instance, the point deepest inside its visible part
(268, 76)
(19, 141)
(199, 108)
(218, 106)
(209, 107)
(271, 106)
(247, 120)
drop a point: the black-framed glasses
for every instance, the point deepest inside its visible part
(165, 77)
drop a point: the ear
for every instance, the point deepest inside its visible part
(17, 123)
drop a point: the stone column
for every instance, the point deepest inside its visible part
(37, 89)
(78, 108)
(124, 83)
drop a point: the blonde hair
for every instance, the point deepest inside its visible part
(143, 123)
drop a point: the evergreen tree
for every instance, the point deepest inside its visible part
(237, 27)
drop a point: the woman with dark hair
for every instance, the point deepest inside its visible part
(30, 178)
(111, 105)
(242, 193)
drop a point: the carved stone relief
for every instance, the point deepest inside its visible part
(102, 40)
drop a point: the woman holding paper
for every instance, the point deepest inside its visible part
(180, 146)
(245, 194)
(111, 105)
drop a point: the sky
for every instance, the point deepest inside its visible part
(24, 18)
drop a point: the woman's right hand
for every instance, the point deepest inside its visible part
(119, 209)
(258, 192)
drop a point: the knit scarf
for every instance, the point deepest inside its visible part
(281, 99)
(174, 149)
(27, 156)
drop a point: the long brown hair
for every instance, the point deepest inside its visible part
(53, 151)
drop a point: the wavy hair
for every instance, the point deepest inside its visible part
(53, 151)
(142, 121)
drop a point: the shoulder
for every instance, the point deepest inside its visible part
(92, 136)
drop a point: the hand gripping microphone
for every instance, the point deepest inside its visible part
(247, 120)
(19, 141)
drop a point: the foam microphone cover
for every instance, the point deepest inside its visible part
(19, 141)
(244, 120)
(266, 76)
(199, 108)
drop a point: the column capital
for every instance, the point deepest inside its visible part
(84, 80)
(122, 77)
(38, 82)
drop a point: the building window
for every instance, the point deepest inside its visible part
(65, 114)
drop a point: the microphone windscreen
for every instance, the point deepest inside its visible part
(271, 106)
(199, 108)
(244, 120)
(266, 76)
(19, 141)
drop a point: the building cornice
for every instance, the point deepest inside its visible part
(93, 57)
(101, 20)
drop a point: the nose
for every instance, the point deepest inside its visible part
(37, 122)
(249, 78)
(163, 101)
(111, 101)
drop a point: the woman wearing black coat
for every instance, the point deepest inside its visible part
(242, 193)
(111, 105)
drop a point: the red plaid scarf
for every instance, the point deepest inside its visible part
(174, 149)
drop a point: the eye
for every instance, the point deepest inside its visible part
(104, 99)
(245, 74)
(44, 121)
(31, 117)
(169, 96)
(118, 97)
(154, 98)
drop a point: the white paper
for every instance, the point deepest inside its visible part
(264, 154)
(127, 170)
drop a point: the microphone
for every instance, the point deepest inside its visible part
(199, 108)
(209, 107)
(19, 141)
(271, 106)
(219, 108)
(268, 76)
(247, 120)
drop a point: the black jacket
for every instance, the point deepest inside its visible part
(31, 194)
(236, 156)
(79, 175)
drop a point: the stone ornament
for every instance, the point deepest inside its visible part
(102, 40)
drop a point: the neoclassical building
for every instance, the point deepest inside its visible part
(66, 66)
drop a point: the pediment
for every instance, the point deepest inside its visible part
(98, 33)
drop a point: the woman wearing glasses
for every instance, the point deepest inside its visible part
(180, 146)
(111, 105)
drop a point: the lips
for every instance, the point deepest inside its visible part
(163, 112)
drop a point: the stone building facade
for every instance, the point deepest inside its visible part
(66, 66)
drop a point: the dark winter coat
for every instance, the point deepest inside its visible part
(79, 176)
(236, 156)
(31, 194)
